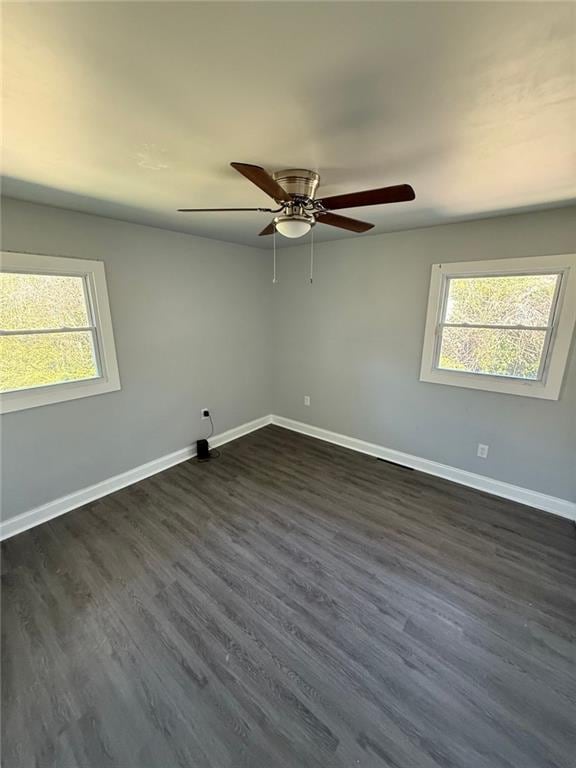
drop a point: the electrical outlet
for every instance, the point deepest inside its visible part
(306, 399)
(482, 451)
(205, 413)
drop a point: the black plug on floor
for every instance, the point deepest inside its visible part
(202, 450)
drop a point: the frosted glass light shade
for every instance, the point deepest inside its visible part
(291, 226)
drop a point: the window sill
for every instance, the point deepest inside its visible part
(56, 393)
(539, 389)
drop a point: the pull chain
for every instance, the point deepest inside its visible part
(312, 257)
(274, 280)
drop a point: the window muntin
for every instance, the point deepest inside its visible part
(47, 332)
(497, 325)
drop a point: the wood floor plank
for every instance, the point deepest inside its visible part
(291, 603)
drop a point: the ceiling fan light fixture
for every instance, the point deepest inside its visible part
(294, 191)
(293, 226)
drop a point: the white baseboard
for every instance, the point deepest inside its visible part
(64, 504)
(553, 504)
(67, 503)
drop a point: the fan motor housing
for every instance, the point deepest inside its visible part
(298, 182)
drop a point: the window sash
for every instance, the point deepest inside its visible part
(97, 351)
(87, 288)
(549, 329)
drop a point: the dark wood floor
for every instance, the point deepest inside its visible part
(291, 604)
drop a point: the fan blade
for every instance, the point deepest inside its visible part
(199, 210)
(398, 194)
(334, 220)
(262, 179)
(269, 230)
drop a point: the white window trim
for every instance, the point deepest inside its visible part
(549, 386)
(105, 349)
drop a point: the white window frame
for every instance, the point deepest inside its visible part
(101, 327)
(549, 384)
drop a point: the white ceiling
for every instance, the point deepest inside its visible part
(132, 110)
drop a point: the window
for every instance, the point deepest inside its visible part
(56, 340)
(503, 326)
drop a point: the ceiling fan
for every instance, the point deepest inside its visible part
(294, 191)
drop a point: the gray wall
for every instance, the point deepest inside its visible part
(353, 342)
(191, 324)
(197, 323)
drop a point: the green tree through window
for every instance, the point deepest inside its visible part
(46, 331)
(497, 325)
